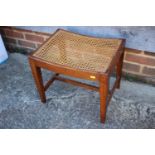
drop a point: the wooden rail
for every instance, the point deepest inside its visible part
(76, 83)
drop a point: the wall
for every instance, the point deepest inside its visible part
(140, 37)
(139, 64)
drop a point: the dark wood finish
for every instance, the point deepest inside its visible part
(36, 71)
(76, 83)
(119, 69)
(104, 89)
(102, 78)
(112, 90)
(116, 58)
(64, 70)
(50, 81)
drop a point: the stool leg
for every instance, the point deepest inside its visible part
(104, 88)
(36, 71)
(119, 70)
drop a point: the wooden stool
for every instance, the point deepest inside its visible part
(82, 57)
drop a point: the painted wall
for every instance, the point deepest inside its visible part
(139, 37)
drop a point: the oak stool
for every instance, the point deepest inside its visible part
(81, 57)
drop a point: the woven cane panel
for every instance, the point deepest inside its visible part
(78, 52)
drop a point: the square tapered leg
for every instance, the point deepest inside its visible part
(119, 70)
(36, 72)
(104, 88)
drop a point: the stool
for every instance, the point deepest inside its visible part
(81, 57)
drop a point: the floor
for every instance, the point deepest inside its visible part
(133, 106)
